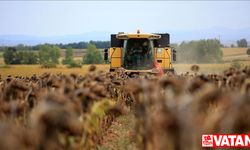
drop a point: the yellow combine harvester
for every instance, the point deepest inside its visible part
(140, 53)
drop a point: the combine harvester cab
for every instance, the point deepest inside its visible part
(137, 53)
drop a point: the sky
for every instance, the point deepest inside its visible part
(55, 18)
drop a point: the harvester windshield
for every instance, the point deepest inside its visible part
(138, 54)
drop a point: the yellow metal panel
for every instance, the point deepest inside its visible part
(115, 54)
(163, 54)
(115, 62)
(167, 63)
(168, 55)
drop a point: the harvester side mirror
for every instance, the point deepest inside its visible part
(106, 54)
(174, 55)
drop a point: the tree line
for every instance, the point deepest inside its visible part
(48, 56)
(84, 45)
(242, 43)
(202, 51)
(76, 45)
(13, 56)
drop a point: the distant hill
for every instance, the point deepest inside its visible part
(227, 36)
(34, 40)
